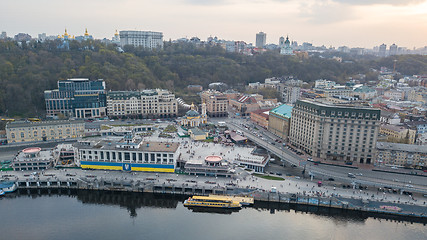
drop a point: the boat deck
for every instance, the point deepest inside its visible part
(245, 201)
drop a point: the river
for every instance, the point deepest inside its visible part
(105, 215)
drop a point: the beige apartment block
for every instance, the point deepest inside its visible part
(403, 155)
(216, 103)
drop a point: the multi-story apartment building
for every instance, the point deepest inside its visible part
(341, 133)
(77, 97)
(146, 39)
(334, 92)
(324, 84)
(261, 38)
(146, 103)
(216, 103)
(17, 132)
(398, 154)
(291, 94)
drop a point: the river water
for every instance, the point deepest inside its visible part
(105, 215)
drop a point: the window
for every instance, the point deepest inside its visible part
(22, 135)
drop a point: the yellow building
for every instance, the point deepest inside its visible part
(398, 133)
(17, 132)
(197, 134)
(193, 118)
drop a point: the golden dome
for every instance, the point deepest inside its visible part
(65, 34)
(86, 33)
(117, 33)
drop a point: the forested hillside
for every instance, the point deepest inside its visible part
(27, 70)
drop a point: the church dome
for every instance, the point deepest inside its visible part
(287, 40)
(192, 113)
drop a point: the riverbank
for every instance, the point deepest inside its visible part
(289, 191)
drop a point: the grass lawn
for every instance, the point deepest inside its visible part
(269, 177)
(170, 129)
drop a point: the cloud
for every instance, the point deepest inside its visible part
(326, 12)
(381, 2)
(207, 2)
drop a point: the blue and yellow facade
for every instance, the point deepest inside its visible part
(128, 154)
(125, 166)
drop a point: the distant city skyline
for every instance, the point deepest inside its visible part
(353, 23)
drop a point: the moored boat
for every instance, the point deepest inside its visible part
(215, 201)
(8, 187)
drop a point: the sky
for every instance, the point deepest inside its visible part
(353, 23)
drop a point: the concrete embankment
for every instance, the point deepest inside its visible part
(401, 211)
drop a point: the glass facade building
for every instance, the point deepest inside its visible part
(77, 97)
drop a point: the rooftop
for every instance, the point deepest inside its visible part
(396, 128)
(44, 123)
(197, 131)
(401, 147)
(283, 110)
(146, 146)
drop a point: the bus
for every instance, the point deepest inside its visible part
(33, 119)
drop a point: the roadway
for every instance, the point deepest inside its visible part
(364, 177)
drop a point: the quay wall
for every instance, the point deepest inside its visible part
(261, 197)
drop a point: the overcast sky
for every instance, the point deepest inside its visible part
(354, 23)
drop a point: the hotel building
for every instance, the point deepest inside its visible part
(339, 133)
(146, 39)
(146, 103)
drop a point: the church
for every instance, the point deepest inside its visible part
(285, 46)
(193, 118)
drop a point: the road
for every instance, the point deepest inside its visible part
(323, 172)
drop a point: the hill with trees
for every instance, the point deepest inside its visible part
(26, 70)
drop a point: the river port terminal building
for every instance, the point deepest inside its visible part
(336, 133)
(33, 158)
(128, 154)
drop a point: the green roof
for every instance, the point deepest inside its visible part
(283, 110)
(364, 89)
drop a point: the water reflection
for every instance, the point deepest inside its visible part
(134, 201)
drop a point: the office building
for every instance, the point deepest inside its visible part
(260, 39)
(77, 97)
(146, 103)
(337, 133)
(145, 39)
(18, 132)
